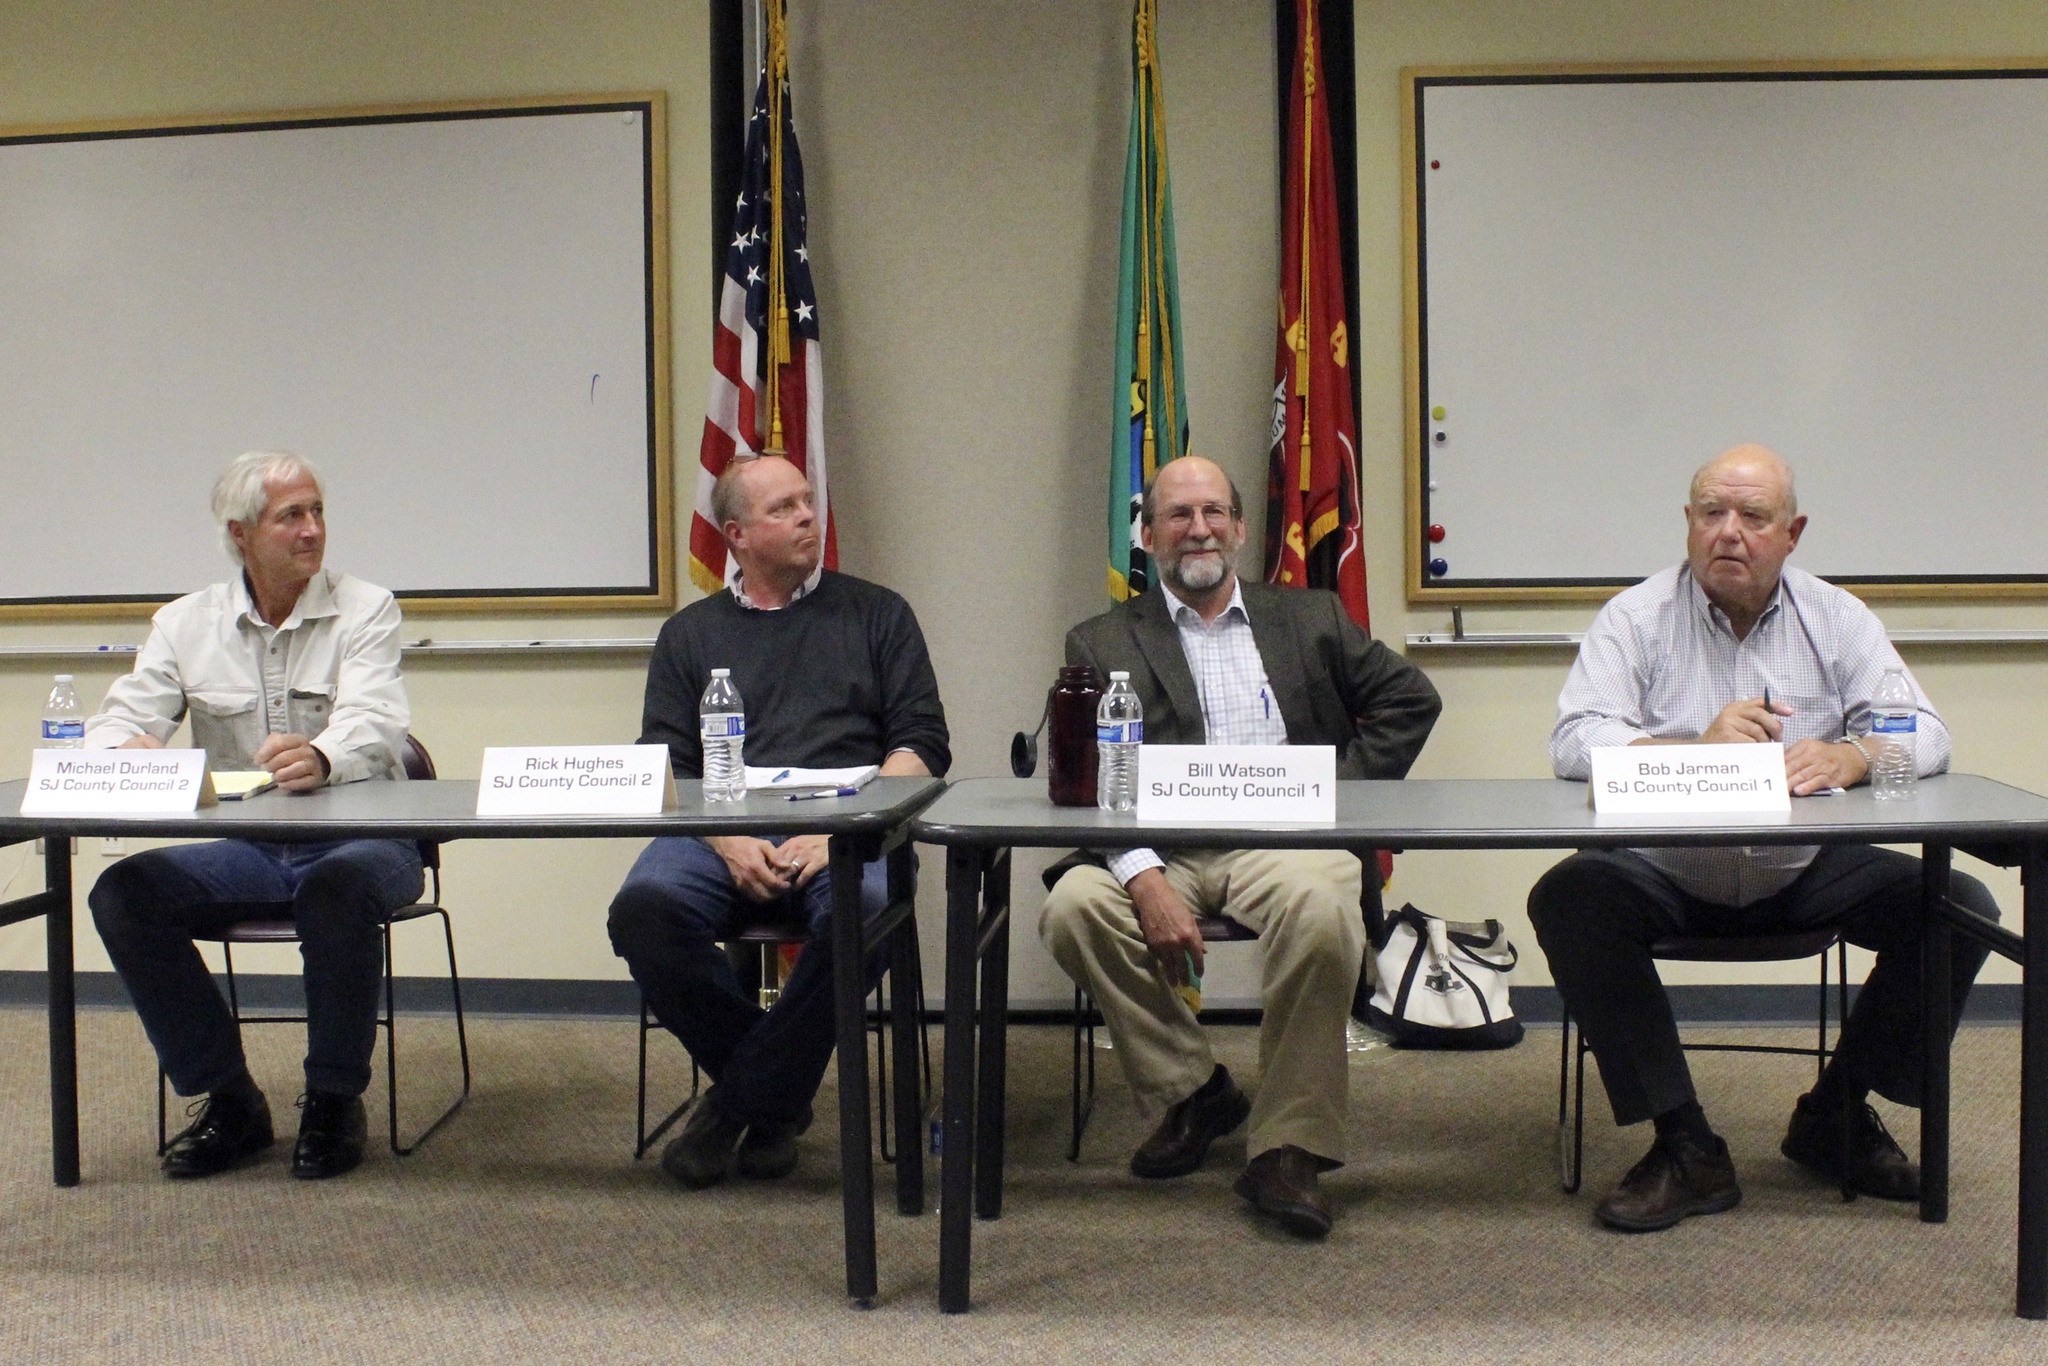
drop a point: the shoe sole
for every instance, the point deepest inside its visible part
(1719, 1204)
(1238, 1114)
(1825, 1168)
(240, 1159)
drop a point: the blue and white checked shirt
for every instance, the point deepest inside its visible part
(1237, 699)
(1660, 661)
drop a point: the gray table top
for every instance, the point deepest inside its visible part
(1495, 813)
(446, 810)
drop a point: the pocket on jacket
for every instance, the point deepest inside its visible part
(227, 723)
(307, 710)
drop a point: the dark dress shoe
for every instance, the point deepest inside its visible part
(1281, 1184)
(1181, 1142)
(701, 1155)
(768, 1152)
(1866, 1157)
(331, 1133)
(1675, 1180)
(228, 1130)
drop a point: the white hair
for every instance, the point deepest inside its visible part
(243, 489)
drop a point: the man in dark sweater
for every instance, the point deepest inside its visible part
(833, 672)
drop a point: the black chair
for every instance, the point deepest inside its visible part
(763, 945)
(1571, 1084)
(419, 766)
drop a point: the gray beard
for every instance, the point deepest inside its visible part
(1202, 575)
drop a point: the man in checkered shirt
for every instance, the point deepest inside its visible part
(1217, 661)
(1688, 657)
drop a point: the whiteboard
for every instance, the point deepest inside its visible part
(450, 312)
(1614, 277)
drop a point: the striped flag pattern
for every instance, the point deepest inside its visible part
(736, 420)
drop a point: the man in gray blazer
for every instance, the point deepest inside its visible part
(1219, 661)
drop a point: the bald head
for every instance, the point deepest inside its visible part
(1741, 521)
(1753, 465)
(1188, 474)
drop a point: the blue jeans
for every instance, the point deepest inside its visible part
(666, 922)
(150, 906)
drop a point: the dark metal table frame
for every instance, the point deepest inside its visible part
(862, 828)
(981, 820)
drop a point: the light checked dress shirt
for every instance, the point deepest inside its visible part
(1230, 679)
(329, 672)
(1660, 661)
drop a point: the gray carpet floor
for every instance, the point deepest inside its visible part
(525, 1232)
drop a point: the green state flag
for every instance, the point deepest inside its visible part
(1150, 397)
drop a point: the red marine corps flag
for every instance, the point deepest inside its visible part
(767, 374)
(1312, 505)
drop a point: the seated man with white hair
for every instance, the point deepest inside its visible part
(292, 668)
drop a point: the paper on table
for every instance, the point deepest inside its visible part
(808, 779)
(234, 785)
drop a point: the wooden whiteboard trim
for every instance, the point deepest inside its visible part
(1415, 553)
(663, 477)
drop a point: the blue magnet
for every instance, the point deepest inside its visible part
(1442, 437)
(1439, 567)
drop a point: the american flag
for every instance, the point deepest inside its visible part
(736, 422)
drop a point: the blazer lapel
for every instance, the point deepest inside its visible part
(1281, 651)
(1159, 641)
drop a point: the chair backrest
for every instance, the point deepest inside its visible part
(419, 768)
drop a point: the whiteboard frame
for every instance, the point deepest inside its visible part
(1416, 545)
(652, 105)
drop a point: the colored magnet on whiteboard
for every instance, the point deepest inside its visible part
(1442, 437)
(1434, 486)
(1437, 413)
(1436, 533)
(1439, 567)
(1435, 165)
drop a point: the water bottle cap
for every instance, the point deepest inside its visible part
(63, 678)
(1119, 675)
(721, 673)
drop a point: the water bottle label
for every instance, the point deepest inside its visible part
(72, 728)
(1895, 725)
(1120, 733)
(724, 727)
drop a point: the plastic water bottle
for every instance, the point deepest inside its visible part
(1119, 730)
(1895, 735)
(722, 723)
(63, 718)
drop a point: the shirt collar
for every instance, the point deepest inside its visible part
(1174, 606)
(1704, 607)
(803, 590)
(316, 600)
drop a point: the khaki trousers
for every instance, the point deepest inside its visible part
(1303, 905)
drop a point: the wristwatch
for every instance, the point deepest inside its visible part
(1857, 740)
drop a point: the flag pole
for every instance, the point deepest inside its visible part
(778, 302)
(1308, 147)
(1142, 361)
(1156, 226)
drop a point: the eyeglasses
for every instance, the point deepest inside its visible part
(1182, 516)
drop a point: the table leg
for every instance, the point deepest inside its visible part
(63, 1010)
(1936, 1027)
(994, 1048)
(905, 1029)
(2032, 1295)
(956, 1166)
(849, 1005)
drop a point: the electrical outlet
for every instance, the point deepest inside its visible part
(113, 846)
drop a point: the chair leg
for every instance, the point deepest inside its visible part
(163, 1139)
(1083, 1097)
(1571, 1089)
(643, 1139)
(390, 1023)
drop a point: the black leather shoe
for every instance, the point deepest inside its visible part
(1281, 1184)
(1181, 1142)
(1867, 1157)
(701, 1155)
(331, 1133)
(1675, 1180)
(768, 1152)
(228, 1130)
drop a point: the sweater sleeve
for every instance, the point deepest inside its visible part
(668, 716)
(1393, 704)
(913, 718)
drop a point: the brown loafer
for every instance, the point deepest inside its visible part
(1675, 1180)
(1181, 1142)
(1861, 1154)
(1281, 1184)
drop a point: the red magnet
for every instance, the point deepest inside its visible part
(1436, 532)
(1436, 165)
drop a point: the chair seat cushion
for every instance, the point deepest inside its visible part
(284, 931)
(1762, 948)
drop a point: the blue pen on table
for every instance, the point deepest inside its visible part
(828, 792)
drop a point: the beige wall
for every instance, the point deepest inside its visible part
(965, 160)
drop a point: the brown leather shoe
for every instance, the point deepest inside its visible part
(1281, 1184)
(1181, 1142)
(1866, 1157)
(1675, 1180)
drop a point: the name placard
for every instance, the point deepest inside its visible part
(116, 782)
(1238, 784)
(1675, 779)
(576, 780)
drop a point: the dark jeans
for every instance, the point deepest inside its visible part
(1597, 913)
(148, 908)
(666, 922)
